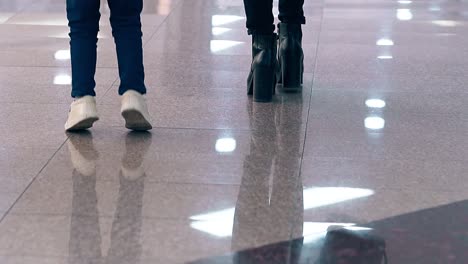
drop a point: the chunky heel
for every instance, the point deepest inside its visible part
(291, 57)
(264, 82)
(291, 73)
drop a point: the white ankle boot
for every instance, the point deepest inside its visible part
(135, 111)
(83, 114)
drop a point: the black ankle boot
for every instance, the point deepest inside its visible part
(261, 82)
(291, 57)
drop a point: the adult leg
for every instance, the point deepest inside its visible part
(292, 11)
(126, 29)
(260, 18)
(83, 20)
(291, 55)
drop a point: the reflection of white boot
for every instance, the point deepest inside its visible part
(132, 174)
(135, 111)
(83, 114)
(82, 154)
(136, 147)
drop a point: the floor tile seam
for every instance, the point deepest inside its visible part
(395, 112)
(176, 183)
(385, 158)
(67, 257)
(311, 93)
(177, 5)
(199, 128)
(32, 103)
(32, 181)
(52, 67)
(317, 48)
(109, 216)
(16, 13)
(392, 91)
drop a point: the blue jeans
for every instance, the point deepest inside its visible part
(83, 20)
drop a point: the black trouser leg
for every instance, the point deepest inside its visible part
(291, 11)
(260, 18)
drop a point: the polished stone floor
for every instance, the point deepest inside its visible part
(377, 141)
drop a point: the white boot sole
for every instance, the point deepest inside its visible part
(135, 120)
(83, 124)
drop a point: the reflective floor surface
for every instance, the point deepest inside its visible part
(376, 143)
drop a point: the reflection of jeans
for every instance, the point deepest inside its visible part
(85, 234)
(260, 17)
(83, 17)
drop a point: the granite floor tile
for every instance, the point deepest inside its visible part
(408, 104)
(176, 61)
(363, 143)
(381, 204)
(79, 239)
(227, 113)
(420, 175)
(17, 84)
(31, 132)
(434, 84)
(364, 60)
(378, 132)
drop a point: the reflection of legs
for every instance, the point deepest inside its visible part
(85, 235)
(126, 229)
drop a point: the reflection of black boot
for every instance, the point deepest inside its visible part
(261, 82)
(291, 56)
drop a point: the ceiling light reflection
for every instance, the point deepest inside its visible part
(375, 103)
(62, 55)
(219, 20)
(374, 123)
(405, 2)
(385, 57)
(220, 45)
(384, 42)
(445, 23)
(219, 30)
(218, 223)
(404, 14)
(225, 145)
(63, 79)
(323, 196)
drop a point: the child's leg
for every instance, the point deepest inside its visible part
(83, 17)
(126, 28)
